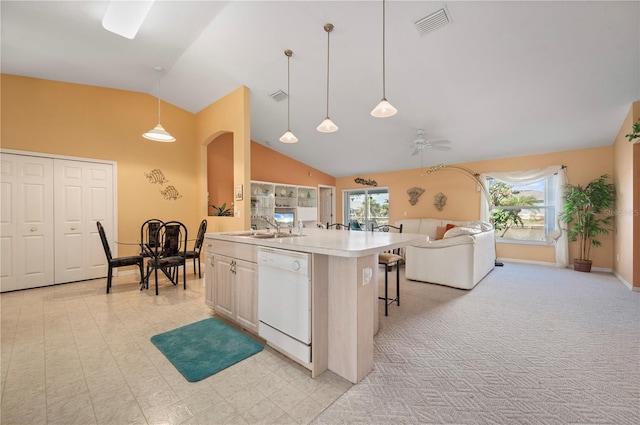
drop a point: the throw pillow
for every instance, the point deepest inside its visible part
(440, 232)
(450, 226)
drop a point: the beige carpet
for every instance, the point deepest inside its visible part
(528, 345)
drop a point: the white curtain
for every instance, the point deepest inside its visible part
(528, 177)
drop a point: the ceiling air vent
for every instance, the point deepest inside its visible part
(432, 22)
(278, 96)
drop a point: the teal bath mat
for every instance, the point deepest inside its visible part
(206, 347)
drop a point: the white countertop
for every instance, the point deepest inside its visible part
(340, 243)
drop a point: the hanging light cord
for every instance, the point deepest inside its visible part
(328, 28)
(288, 53)
(384, 89)
(158, 100)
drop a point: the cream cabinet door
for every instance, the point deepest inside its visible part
(223, 285)
(26, 222)
(208, 280)
(245, 288)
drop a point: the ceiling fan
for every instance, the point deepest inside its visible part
(420, 144)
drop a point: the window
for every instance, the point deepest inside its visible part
(523, 212)
(363, 207)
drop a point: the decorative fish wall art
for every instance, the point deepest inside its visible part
(156, 176)
(170, 193)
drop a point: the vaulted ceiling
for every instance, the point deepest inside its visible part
(501, 79)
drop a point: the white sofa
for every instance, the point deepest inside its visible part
(464, 255)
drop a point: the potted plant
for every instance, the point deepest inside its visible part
(588, 213)
(635, 133)
(222, 210)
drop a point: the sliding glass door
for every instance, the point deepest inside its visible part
(364, 207)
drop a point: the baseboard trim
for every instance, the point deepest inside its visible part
(518, 260)
(548, 264)
(625, 283)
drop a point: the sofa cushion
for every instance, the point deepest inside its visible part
(428, 226)
(459, 231)
(409, 225)
(440, 230)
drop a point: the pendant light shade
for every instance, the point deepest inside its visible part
(327, 126)
(158, 133)
(384, 109)
(288, 136)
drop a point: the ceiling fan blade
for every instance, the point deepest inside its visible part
(416, 150)
(440, 142)
(441, 148)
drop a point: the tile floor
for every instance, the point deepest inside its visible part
(71, 354)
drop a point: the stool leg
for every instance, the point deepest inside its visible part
(386, 290)
(398, 284)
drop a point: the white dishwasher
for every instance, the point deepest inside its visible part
(284, 301)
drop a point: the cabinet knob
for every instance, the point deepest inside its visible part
(73, 227)
(33, 229)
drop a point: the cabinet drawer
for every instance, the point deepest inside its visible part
(237, 250)
(208, 245)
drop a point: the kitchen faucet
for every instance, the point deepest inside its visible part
(275, 226)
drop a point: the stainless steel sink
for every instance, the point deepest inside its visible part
(243, 233)
(274, 235)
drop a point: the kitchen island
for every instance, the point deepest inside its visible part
(344, 290)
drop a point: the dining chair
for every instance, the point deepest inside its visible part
(339, 226)
(389, 259)
(169, 254)
(197, 247)
(354, 225)
(149, 234)
(112, 262)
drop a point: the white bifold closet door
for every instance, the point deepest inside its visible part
(48, 213)
(83, 196)
(26, 222)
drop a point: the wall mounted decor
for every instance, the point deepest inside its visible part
(170, 193)
(156, 176)
(439, 200)
(238, 192)
(414, 194)
(360, 180)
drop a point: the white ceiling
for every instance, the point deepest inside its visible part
(502, 79)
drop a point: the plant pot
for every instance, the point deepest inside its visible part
(582, 265)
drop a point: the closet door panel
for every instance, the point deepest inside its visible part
(99, 207)
(69, 211)
(27, 222)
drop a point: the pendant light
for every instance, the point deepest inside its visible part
(384, 109)
(158, 133)
(288, 136)
(327, 126)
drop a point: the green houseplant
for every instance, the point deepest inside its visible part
(635, 133)
(588, 213)
(222, 210)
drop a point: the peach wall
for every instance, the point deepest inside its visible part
(271, 166)
(220, 172)
(635, 253)
(625, 210)
(107, 124)
(463, 201)
(230, 114)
